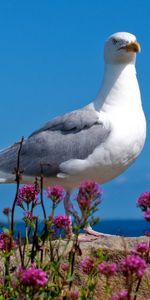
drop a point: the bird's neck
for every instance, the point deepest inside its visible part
(119, 84)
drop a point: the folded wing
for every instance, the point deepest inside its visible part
(74, 135)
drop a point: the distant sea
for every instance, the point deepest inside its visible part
(128, 228)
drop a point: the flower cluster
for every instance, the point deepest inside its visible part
(87, 264)
(121, 295)
(144, 201)
(88, 191)
(33, 277)
(56, 193)
(141, 249)
(62, 221)
(28, 216)
(133, 265)
(147, 215)
(28, 194)
(107, 269)
(6, 242)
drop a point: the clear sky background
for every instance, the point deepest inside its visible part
(51, 62)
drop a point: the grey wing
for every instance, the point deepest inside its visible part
(75, 120)
(72, 136)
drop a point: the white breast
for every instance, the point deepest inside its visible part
(119, 107)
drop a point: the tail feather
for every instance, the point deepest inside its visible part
(6, 178)
(8, 160)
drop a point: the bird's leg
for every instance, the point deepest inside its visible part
(67, 207)
(88, 229)
(90, 233)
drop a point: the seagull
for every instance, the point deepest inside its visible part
(96, 142)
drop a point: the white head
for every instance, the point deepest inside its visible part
(121, 48)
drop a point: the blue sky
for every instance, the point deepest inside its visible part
(51, 61)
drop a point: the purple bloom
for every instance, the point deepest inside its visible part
(28, 216)
(34, 277)
(88, 191)
(144, 200)
(147, 215)
(122, 295)
(27, 193)
(56, 193)
(133, 265)
(141, 249)
(62, 222)
(107, 269)
(73, 295)
(6, 242)
(87, 264)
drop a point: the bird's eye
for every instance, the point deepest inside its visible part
(114, 41)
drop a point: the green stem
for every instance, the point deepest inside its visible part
(7, 273)
(137, 288)
(34, 242)
(20, 249)
(41, 193)
(72, 258)
(18, 174)
(50, 238)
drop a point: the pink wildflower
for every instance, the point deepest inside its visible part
(87, 264)
(122, 295)
(28, 216)
(73, 295)
(6, 242)
(133, 264)
(6, 211)
(56, 193)
(147, 215)
(62, 222)
(144, 200)
(88, 191)
(141, 249)
(27, 193)
(107, 269)
(34, 277)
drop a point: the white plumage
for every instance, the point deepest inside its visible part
(96, 142)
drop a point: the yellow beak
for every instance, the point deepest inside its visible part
(132, 47)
